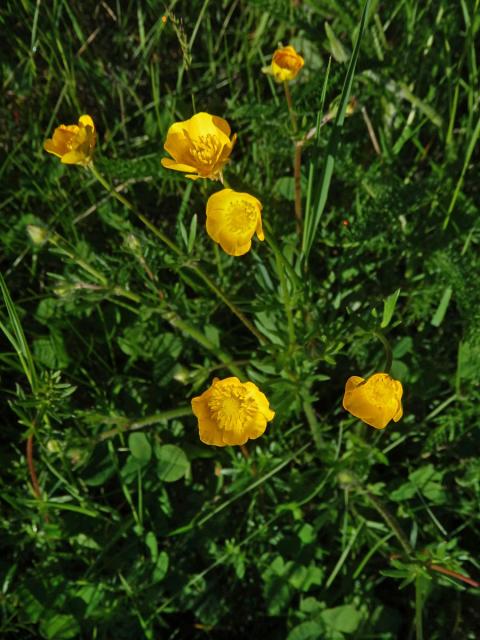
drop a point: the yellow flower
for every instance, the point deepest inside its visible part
(376, 400)
(231, 412)
(232, 220)
(73, 144)
(199, 146)
(286, 63)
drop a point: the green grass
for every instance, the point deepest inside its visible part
(115, 520)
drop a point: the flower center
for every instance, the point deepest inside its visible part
(231, 407)
(69, 137)
(242, 217)
(205, 150)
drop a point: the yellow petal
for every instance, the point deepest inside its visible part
(256, 427)
(168, 163)
(261, 400)
(230, 412)
(286, 63)
(201, 142)
(375, 401)
(200, 406)
(51, 147)
(259, 229)
(87, 121)
(232, 220)
(214, 226)
(74, 157)
(204, 124)
(176, 144)
(209, 432)
(73, 144)
(223, 126)
(231, 245)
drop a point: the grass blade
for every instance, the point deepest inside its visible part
(310, 229)
(17, 339)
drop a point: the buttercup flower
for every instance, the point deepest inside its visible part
(286, 63)
(231, 412)
(73, 144)
(199, 146)
(232, 220)
(375, 401)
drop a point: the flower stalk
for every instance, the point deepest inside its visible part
(387, 348)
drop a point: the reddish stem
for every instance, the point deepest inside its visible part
(447, 572)
(454, 574)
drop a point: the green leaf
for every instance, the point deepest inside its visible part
(404, 492)
(389, 305)
(468, 359)
(60, 627)
(192, 234)
(315, 211)
(337, 49)
(309, 630)
(344, 619)
(285, 188)
(428, 481)
(140, 447)
(172, 463)
(442, 307)
(161, 567)
(151, 542)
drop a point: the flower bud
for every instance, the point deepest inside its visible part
(38, 235)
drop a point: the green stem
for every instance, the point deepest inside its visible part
(269, 239)
(390, 520)
(286, 301)
(134, 425)
(312, 423)
(59, 242)
(418, 608)
(288, 97)
(348, 478)
(387, 348)
(119, 291)
(176, 249)
(233, 307)
(194, 333)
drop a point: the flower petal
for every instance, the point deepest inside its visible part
(256, 427)
(74, 157)
(86, 121)
(168, 163)
(375, 401)
(209, 432)
(230, 412)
